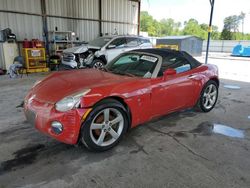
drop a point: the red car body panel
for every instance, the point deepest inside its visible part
(145, 98)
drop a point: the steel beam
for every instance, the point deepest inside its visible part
(45, 26)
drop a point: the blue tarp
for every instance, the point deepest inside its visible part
(242, 51)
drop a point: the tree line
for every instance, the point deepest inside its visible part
(168, 27)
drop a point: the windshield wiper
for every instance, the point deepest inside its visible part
(123, 73)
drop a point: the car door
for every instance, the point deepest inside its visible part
(174, 91)
(115, 48)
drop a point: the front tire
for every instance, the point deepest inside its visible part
(97, 64)
(208, 97)
(105, 126)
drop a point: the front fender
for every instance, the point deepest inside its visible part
(138, 103)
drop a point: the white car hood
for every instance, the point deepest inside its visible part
(80, 49)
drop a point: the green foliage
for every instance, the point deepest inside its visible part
(226, 35)
(168, 27)
(154, 28)
(192, 27)
(149, 24)
(247, 36)
(215, 35)
(231, 27)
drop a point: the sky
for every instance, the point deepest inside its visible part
(183, 10)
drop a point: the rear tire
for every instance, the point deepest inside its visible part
(208, 97)
(105, 126)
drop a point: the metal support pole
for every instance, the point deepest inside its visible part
(139, 17)
(209, 28)
(100, 18)
(45, 26)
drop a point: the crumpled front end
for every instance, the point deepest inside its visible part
(68, 59)
(78, 57)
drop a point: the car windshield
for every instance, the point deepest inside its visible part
(100, 42)
(133, 64)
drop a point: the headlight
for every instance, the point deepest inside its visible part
(70, 102)
(97, 53)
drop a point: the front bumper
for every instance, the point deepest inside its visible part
(72, 63)
(43, 114)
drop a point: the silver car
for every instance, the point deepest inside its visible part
(102, 50)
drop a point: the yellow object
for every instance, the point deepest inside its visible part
(35, 60)
(86, 113)
(170, 46)
(210, 29)
(36, 70)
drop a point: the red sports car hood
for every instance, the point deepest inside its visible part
(61, 84)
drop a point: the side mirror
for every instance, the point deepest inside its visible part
(169, 72)
(111, 46)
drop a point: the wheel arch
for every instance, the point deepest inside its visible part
(102, 58)
(118, 99)
(124, 104)
(205, 80)
(216, 80)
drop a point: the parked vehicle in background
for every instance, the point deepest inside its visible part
(102, 50)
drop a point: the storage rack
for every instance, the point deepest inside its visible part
(60, 40)
(35, 59)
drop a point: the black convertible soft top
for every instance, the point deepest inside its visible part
(164, 53)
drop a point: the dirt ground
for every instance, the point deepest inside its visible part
(179, 150)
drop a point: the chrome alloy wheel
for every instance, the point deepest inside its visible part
(106, 127)
(209, 96)
(98, 65)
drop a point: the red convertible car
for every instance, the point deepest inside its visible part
(97, 107)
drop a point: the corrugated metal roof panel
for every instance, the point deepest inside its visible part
(24, 26)
(120, 10)
(85, 30)
(28, 26)
(73, 8)
(120, 29)
(30, 6)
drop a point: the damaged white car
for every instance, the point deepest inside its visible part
(100, 51)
